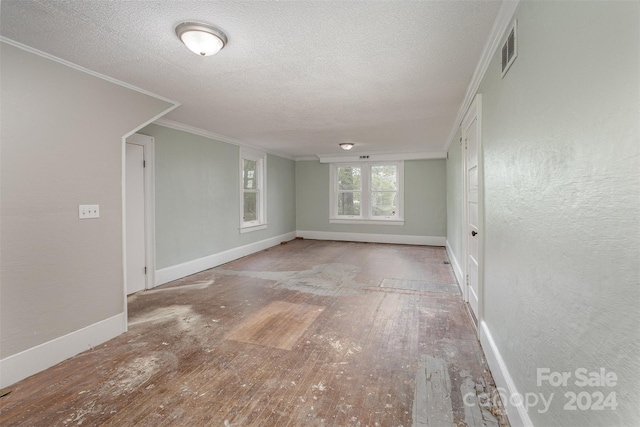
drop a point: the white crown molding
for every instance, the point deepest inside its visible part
(306, 158)
(88, 71)
(502, 23)
(210, 135)
(381, 157)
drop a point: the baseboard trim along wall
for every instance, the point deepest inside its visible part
(456, 266)
(188, 268)
(373, 238)
(517, 414)
(28, 362)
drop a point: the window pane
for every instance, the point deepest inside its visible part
(249, 174)
(384, 203)
(384, 178)
(348, 178)
(349, 203)
(250, 200)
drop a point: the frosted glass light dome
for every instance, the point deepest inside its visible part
(201, 39)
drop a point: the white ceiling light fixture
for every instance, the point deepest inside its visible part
(346, 145)
(201, 39)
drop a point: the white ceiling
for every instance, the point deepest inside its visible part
(297, 77)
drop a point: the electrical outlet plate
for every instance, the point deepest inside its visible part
(88, 211)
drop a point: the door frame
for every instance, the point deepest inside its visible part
(474, 112)
(148, 143)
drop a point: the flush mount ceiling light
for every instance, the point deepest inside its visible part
(201, 39)
(346, 145)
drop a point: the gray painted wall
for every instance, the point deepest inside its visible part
(424, 200)
(198, 199)
(61, 139)
(562, 204)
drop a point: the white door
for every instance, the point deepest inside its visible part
(136, 255)
(472, 209)
(471, 144)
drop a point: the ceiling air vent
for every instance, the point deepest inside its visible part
(509, 49)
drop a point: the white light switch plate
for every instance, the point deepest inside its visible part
(88, 211)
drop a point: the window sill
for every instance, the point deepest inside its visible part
(250, 228)
(382, 221)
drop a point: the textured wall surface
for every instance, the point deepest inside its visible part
(61, 137)
(198, 197)
(424, 200)
(562, 205)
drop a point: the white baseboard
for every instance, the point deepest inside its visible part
(179, 271)
(373, 238)
(28, 362)
(456, 267)
(517, 415)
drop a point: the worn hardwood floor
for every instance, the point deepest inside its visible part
(309, 333)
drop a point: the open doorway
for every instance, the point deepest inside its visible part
(139, 213)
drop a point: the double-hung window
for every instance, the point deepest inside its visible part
(253, 215)
(349, 190)
(367, 193)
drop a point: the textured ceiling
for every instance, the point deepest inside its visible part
(297, 77)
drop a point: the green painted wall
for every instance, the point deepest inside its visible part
(561, 149)
(424, 201)
(198, 201)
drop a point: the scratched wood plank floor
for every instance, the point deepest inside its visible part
(308, 333)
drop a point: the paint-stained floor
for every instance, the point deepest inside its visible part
(309, 333)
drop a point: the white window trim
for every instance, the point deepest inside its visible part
(261, 183)
(365, 216)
